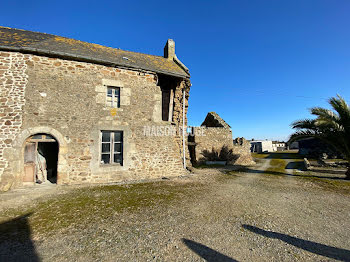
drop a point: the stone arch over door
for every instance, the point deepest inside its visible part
(62, 150)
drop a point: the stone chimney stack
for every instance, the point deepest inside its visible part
(169, 49)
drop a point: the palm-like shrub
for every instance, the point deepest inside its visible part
(330, 126)
(224, 154)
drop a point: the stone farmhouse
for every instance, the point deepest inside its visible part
(84, 108)
(214, 134)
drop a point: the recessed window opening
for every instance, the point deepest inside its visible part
(113, 96)
(112, 147)
(165, 104)
(168, 86)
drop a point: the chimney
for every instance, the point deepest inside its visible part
(169, 49)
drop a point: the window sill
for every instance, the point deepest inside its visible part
(111, 165)
(169, 122)
(114, 108)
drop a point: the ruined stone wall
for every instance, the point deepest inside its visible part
(13, 80)
(242, 148)
(68, 98)
(218, 137)
(213, 137)
(178, 117)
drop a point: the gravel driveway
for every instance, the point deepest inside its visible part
(211, 215)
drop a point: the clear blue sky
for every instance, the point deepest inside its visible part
(259, 64)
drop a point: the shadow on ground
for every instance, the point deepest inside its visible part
(15, 240)
(296, 165)
(313, 247)
(206, 253)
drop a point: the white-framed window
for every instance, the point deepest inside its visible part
(113, 96)
(112, 147)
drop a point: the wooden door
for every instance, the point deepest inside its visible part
(29, 162)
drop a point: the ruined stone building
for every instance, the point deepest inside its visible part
(214, 134)
(84, 108)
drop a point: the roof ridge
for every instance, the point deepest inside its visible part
(26, 41)
(69, 38)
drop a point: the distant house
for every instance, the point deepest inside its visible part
(278, 146)
(260, 146)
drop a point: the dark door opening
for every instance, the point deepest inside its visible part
(49, 150)
(40, 159)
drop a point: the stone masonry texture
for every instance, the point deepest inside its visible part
(213, 138)
(66, 99)
(13, 81)
(215, 134)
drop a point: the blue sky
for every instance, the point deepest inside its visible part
(259, 64)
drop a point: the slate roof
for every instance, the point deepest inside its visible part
(55, 46)
(214, 120)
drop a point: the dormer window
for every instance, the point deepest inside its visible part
(113, 96)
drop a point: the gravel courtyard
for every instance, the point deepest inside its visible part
(263, 213)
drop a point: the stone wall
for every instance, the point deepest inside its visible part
(67, 98)
(242, 147)
(13, 81)
(178, 116)
(213, 138)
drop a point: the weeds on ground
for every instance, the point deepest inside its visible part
(277, 166)
(329, 183)
(84, 206)
(279, 155)
(260, 155)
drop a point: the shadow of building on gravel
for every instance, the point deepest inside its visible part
(313, 247)
(15, 240)
(206, 253)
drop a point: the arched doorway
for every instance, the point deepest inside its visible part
(40, 159)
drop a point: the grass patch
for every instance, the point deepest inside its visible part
(85, 206)
(260, 155)
(333, 185)
(276, 166)
(337, 184)
(285, 155)
(279, 155)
